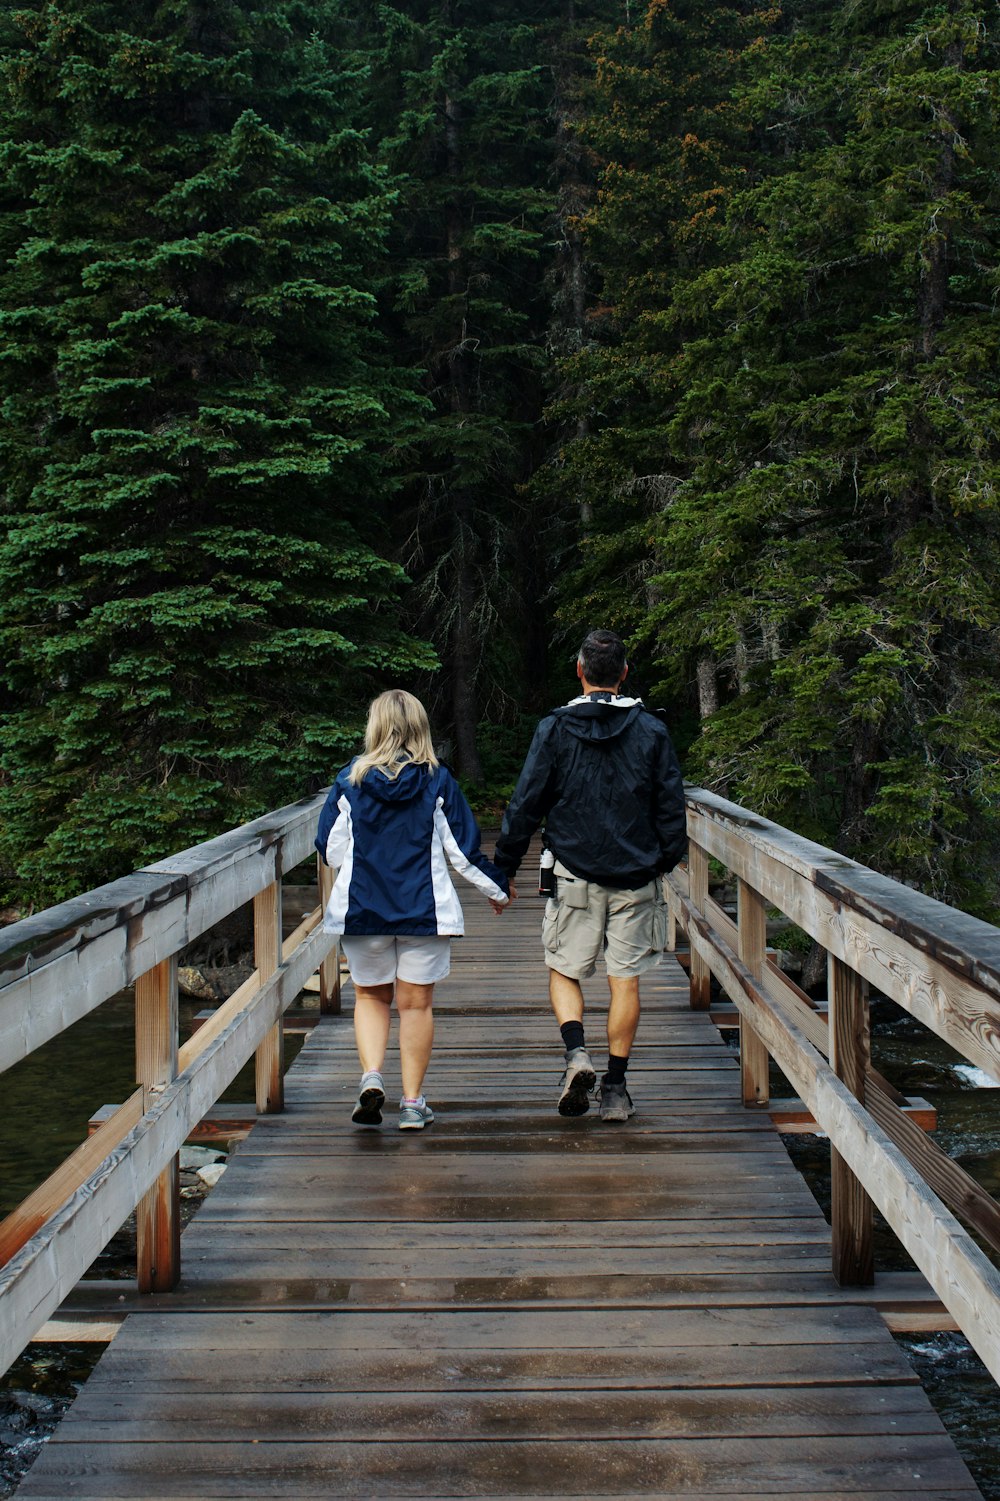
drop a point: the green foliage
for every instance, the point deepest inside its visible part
(794, 464)
(193, 602)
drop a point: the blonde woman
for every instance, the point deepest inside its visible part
(391, 817)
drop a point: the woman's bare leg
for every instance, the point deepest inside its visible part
(371, 1024)
(416, 1033)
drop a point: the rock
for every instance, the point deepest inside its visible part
(191, 981)
(199, 1157)
(210, 1175)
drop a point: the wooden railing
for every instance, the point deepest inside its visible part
(58, 966)
(941, 965)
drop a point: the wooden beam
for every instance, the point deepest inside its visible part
(269, 1059)
(158, 1212)
(851, 1220)
(33, 1212)
(55, 967)
(752, 938)
(792, 1118)
(701, 978)
(222, 1123)
(939, 964)
(965, 1280)
(329, 970)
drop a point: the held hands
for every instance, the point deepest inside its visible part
(499, 906)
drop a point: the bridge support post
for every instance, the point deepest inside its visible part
(329, 970)
(752, 928)
(269, 1057)
(157, 1215)
(850, 1052)
(701, 975)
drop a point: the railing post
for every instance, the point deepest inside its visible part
(853, 1249)
(701, 975)
(752, 930)
(329, 970)
(157, 1214)
(269, 1057)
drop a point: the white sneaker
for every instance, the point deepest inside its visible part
(371, 1098)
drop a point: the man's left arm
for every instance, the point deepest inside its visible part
(669, 807)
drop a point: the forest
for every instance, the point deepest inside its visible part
(345, 344)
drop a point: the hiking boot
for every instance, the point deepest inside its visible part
(576, 1083)
(616, 1102)
(414, 1116)
(371, 1098)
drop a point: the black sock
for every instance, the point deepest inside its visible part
(572, 1035)
(616, 1068)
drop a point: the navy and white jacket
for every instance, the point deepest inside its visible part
(388, 838)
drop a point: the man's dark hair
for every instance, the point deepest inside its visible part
(602, 659)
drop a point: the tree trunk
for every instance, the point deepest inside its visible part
(708, 687)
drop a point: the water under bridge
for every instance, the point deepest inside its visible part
(508, 1304)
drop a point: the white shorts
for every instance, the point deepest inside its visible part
(379, 959)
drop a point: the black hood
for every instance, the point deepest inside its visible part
(599, 720)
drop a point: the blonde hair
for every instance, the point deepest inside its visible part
(398, 734)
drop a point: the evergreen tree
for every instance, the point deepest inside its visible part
(459, 99)
(194, 600)
(813, 409)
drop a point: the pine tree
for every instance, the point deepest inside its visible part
(828, 535)
(194, 596)
(461, 101)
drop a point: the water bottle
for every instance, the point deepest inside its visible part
(546, 874)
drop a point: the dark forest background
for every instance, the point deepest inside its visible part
(345, 344)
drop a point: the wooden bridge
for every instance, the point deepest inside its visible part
(509, 1303)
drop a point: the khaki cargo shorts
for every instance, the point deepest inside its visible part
(585, 920)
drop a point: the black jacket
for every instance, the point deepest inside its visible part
(604, 775)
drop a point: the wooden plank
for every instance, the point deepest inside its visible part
(329, 970)
(792, 1117)
(158, 1212)
(850, 1059)
(38, 1208)
(939, 964)
(701, 978)
(269, 1057)
(456, 1466)
(752, 930)
(56, 966)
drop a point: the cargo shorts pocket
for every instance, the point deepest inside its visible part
(550, 926)
(660, 920)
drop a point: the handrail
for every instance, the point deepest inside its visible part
(59, 965)
(941, 965)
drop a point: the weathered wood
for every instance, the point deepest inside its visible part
(158, 1212)
(752, 937)
(38, 1208)
(967, 1283)
(329, 970)
(36, 1280)
(792, 1118)
(223, 1123)
(941, 965)
(269, 1058)
(57, 966)
(850, 1053)
(701, 978)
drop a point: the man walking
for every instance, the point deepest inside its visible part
(603, 774)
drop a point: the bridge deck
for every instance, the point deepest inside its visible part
(508, 1304)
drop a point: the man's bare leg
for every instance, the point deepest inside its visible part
(566, 997)
(623, 1013)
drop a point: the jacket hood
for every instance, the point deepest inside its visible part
(599, 719)
(403, 788)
